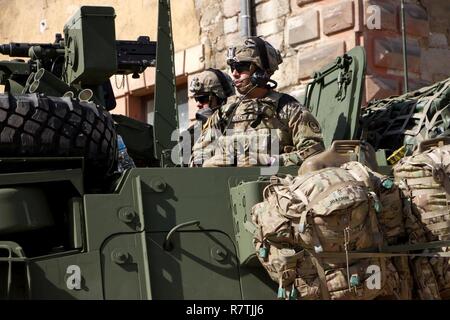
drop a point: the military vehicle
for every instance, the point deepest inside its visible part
(72, 227)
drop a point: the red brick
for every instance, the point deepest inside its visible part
(416, 21)
(315, 58)
(439, 77)
(414, 84)
(388, 14)
(136, 109)
(388, 53)
(338, 17)
(437, 40)
(434, 62)
(380, 87)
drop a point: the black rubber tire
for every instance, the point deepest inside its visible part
(35, 125)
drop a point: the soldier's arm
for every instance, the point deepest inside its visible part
(204, 146)
(306, 136)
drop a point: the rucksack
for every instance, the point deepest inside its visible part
(425, 184)
(307, 228)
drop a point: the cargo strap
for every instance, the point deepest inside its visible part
(423, 114)
(391, 251)
(325, 294)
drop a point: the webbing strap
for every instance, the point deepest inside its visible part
(361, 255)
(325, 294)
(423, 114)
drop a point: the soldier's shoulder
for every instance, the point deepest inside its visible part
(287, 102)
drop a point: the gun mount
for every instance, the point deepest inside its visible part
(82, 59)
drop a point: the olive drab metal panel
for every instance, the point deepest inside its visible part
(67, 276)
(204, 251)
(125, 267)
(200, 265)
(334, 96)
(243, 198)
(84, 63)
(166, 115)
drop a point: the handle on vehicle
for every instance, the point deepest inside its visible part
(167, 245)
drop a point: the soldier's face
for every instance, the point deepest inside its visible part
(202, 101)
(241, 72)
(206, 101)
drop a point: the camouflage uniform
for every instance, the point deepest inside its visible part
(208, 83)
(254, 122)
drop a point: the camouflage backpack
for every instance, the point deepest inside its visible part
(308, 228)
(425, 184)
(398, 124)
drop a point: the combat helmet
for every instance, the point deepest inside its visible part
(253, 51)
(212, 81)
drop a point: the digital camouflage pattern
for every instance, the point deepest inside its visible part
(241, 133)
(390, 218)
(424, 178)
(207, 82)
(425, 184)
(249, 52)
(307, 228)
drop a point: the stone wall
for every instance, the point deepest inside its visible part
(311, 33)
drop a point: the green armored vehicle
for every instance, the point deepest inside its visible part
(73, 227)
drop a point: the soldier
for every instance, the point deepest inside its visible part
(240, 132)
(210, 90)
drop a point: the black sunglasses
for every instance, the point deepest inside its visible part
(202, 99)
(240, 66)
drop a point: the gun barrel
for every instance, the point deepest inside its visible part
(15, 49)
(135, 56)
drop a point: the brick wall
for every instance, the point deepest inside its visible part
(311, 33)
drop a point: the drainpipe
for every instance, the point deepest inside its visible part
(246, 17)
(405, 52)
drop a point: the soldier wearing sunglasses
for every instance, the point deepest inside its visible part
(210, 90)
(258, 114)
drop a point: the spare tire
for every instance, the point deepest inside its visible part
(35, 125)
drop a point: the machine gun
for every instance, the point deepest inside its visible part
(80, 63)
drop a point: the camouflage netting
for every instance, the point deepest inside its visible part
(408, 119)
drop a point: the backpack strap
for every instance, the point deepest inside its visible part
(324, 292)
(284, 100)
